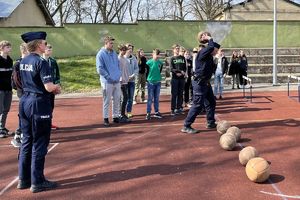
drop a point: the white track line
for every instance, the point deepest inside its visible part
(17, 178)
(6, 145)
(54, 145)
(282, 195)
(9, 185)
(277, 189)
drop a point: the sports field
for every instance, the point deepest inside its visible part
(150, 160)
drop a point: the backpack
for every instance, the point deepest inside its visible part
(16, 82)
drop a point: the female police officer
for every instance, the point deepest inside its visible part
(35, 113)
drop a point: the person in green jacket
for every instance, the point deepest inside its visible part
(154, 68)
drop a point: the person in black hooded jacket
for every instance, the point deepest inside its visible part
(243, 67)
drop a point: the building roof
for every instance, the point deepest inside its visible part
(8, 7)
(237, 2)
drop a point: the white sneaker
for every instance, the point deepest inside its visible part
(134, 102)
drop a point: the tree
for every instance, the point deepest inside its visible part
(207, 9)
(120, 11)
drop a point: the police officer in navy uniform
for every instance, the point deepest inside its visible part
(35, 113)
(202, 91)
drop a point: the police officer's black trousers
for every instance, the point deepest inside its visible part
(202, 97)
(36, 114)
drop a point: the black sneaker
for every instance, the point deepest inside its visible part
(46, 185)
(189, 130)
(106, 122)
(5, 130)
(157, 115)
(16, 142)
(124, 119)
(148, 116)
(23, 184)
(116, 120)
(179, 111)
(3, 135)
(211, 126)
(17, 132)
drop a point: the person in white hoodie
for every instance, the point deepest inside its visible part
(133, 72)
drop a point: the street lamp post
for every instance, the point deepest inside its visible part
(275, 44)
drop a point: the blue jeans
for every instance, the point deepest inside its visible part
(218, 84)
(131, 86)
(153, 92)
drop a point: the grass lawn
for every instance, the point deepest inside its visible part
(78, 74)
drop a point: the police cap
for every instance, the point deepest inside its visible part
(30, 36)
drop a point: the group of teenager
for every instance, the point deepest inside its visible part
(118, 73)
(236, 68)
(124, 77)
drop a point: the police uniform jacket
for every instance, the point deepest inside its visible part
(205, 64)
(35, 72)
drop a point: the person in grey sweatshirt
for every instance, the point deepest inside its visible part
(133, 72)
(123, 80)
(107, 65)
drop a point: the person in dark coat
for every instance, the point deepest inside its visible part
(243, 62)
(234, 69)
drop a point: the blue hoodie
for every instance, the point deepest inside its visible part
(107, 65)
